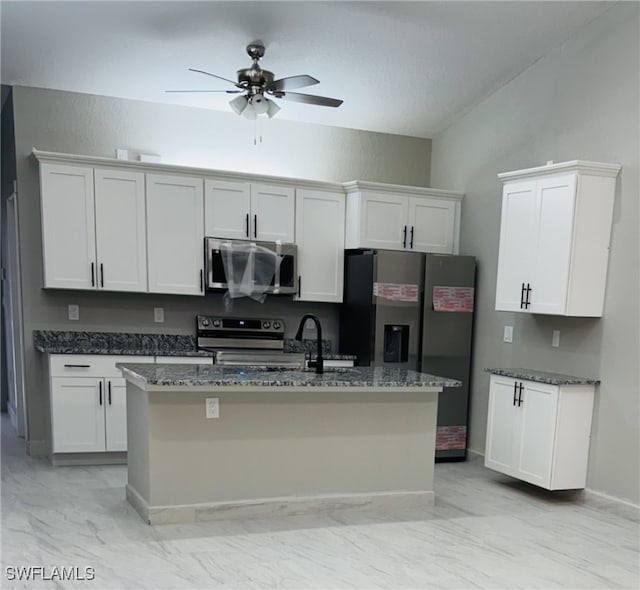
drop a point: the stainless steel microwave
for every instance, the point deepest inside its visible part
(283, 281)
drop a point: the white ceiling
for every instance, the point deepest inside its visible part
(408, 68)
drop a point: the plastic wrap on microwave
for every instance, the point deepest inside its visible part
(250, 269)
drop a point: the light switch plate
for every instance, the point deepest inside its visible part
(212, 407)
(158, 315)
(508, 334)
(74, 312)
(555, 339)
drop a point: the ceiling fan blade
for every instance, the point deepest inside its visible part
(226, 91)
(293, 82)
(322, 101)
(215, 76)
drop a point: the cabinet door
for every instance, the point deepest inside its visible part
(175, 234)
(431, 225)
(550, 276)
(227, 207)
(77, 414)
(272, 210)
(320, 240)
(538, 411)
(115, 415)
(383, 221)
(518, 243)
(68, 226)
(502, 426)
(120, 230)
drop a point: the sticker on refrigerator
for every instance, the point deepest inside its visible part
(396, 292)
(458, 299)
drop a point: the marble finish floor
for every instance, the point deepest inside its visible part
(484, 531)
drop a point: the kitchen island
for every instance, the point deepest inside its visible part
(276, 441)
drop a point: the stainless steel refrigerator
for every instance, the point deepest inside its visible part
(414, 311)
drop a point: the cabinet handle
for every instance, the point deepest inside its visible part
(78, 366)
(520, 394)
(247, 224)
(101, 274)
(527, 303)
(404, 237)
(411, 244)
(109, 388)
(93, 274)
(100, 388)
(201, 281)
(255, 226)
(515, 389)
(299, 285)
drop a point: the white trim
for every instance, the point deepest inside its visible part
(356, 186)
(613, 499)
(61, 158)
(579, 166)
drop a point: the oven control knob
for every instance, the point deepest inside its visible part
(216, 323)
(266, 325)
(276, 325)
(204, 322)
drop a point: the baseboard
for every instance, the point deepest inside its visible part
(270, 507)
(612, 504)
(475, 455)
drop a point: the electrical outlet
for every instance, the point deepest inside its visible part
(74, 312)
(508, 334)
(555, 339)
(212, 407)
(158, 315)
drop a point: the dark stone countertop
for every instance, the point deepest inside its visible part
(544, 377)
(168, 376)
(116, 343)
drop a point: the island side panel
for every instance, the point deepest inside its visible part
(273, 443)
(138, 481)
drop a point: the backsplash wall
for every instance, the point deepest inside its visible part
(83, 124)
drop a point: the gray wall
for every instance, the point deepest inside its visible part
(579, 102)
(94, 125)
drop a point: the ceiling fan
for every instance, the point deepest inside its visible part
(255, 85)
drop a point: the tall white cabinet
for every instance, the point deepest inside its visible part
(554, 238)
(175, 234)
(393, 217)
(320, 217)
(93, 228)
(539, 432)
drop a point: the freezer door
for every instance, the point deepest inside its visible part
(397, 298)
(446, 343)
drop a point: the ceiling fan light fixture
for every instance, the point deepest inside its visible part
(273, 109)
(259, 103)
(239, 104)
(250, 112)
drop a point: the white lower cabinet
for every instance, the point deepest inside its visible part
(89, 403)
(538, 432)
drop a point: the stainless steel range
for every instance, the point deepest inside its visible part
(245, 341)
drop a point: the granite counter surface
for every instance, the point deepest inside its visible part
(544, 377)
(215, 376)
(124, 343)
(116, 343)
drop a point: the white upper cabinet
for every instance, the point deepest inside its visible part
(68, 226)
(120, 230)
(175, 234)
(227, 206)
(394, 217)
(93, 228)
(554, 238)
(320, 218)
(249, 211)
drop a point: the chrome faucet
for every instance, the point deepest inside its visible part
(319, 364)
